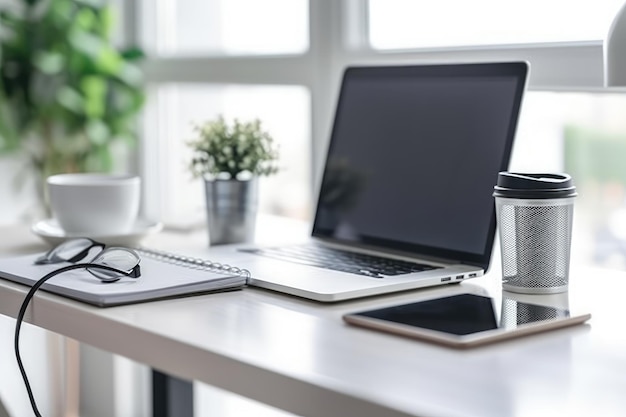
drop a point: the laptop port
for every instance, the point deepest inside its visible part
(473, 275)
(446, 279)
(459, 277)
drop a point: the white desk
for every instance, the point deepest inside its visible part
(299, 356)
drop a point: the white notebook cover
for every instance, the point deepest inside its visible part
(160, 278)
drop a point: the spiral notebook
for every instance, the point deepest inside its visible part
(163, 275)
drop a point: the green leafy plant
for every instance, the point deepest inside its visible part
(66, 93)
(232, 150)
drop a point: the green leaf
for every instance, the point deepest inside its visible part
(130, 74)
(49, 62)
(94, 90)
(92, 3)
(106, 17)
(108, 61)
(133, 53)
(79, 64)
(9, 138)
(85, 19)
(85, 42)
(60, 15)
(240, 147)
(126, 101)
(10, 20)
(97, 132)
(71, 100)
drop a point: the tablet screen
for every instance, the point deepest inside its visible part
(465, 318)
(463, 314)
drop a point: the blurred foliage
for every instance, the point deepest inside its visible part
(66, 93)
(594, 155)
(233, 149)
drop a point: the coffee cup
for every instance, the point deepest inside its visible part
(535, 212)
(94, 204)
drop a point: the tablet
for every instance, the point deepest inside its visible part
(465, 320)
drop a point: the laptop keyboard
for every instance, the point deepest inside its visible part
(341, 260)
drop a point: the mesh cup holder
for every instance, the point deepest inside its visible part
(535, 237)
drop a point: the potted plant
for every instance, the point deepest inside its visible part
(67, 95)
(230, 157)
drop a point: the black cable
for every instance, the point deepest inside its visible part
(22, 312)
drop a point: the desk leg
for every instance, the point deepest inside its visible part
(72, 377)
(171, 397)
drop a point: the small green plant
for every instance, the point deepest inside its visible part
(232, 150)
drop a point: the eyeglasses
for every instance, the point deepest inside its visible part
(75, 250)
(109, 265)
(72, 250)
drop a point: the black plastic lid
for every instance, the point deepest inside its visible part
(534, 186)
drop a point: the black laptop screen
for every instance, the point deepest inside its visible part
(414, 155)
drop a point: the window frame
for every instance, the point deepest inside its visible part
(338, 37)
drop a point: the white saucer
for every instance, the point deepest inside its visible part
(50, 231)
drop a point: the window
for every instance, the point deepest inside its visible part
(189, 43)
(177, 107)
(400, 24)
(226, 27)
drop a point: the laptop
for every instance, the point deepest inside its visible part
(405, 200)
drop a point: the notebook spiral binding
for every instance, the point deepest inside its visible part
(194, 263)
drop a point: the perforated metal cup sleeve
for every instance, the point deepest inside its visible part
(535, 239)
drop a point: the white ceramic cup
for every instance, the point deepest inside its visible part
(94, 204)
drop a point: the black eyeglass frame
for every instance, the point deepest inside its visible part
(48, 257)
(135, 272)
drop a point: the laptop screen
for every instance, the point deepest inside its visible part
(414, 155)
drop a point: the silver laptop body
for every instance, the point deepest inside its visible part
(414, 154)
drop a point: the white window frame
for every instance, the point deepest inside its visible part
(338, 38)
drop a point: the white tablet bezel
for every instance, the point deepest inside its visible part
(461, 341)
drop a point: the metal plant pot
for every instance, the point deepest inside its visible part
(231, 210)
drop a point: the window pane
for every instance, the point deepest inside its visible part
(584, 135)
(397, 24)
(284, 113)
(231, 27)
